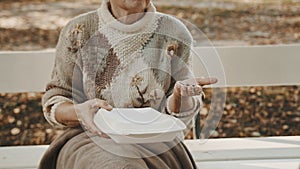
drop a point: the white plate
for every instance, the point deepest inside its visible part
(138, 125)
(147, 138)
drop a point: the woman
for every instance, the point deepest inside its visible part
(125, 54)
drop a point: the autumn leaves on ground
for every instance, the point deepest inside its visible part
(249, 111)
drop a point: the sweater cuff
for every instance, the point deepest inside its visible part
(50, 108)
(188, 113)
(52, 115)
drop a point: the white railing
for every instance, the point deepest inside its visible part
(240, 66)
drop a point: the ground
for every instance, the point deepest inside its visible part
(249, 111)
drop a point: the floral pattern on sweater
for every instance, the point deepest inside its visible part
(92, 68)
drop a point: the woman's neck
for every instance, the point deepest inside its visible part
(124, 16)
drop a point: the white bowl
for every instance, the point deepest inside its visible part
(138, 125)
(147, 138)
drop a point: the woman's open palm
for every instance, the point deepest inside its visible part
(192, 87)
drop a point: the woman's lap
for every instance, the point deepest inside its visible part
(82, 152)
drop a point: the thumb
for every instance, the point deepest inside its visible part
(206, 81)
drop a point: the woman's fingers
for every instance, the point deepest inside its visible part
(95, 130)
(98, 103)
(192, 87)
(199, 81)
(188, 89)
(91, 127)
(206, 81)
(86, 112)
(197, 90)
(193, 90)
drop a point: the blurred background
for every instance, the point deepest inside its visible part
(27, 25)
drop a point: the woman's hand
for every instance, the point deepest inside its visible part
(183, 90)
(191, 87)
(86, 112)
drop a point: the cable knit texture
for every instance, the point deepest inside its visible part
(133, 65)
(92, 63)
(127, 39)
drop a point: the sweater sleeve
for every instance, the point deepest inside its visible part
(66, 77)
(181, 70)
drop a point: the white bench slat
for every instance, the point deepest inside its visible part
(232, 151)
(17, 157)
(287, 147)
(25, 71)
(251, 164)
(243, 66)
(251, 66)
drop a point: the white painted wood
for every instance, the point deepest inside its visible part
(287, 147)
(21, 156)
(250, 66)
(25, 71)
(251, 164)
(212, 153)
(235, 66)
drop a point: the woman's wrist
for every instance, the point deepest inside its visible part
(186, 113)
(66, 114)
(178, 103)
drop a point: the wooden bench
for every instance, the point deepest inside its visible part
(240, 66)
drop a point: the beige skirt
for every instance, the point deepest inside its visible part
(76, 149)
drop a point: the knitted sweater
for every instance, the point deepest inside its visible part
(133, 65)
